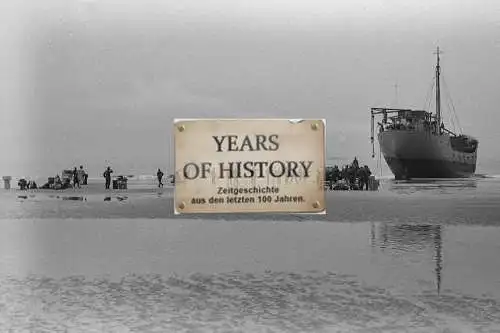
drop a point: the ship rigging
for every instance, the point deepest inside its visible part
(417, 144)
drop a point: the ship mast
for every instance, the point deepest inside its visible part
(438, 91)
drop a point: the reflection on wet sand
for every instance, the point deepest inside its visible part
(74, 198)
(411, 238)
(175, 275)
(436, 185)
(118, 198)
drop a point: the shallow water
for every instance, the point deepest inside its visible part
(415, 257)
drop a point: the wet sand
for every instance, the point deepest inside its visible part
(410, 258)
(455, 203)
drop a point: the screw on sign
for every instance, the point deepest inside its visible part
(249, 165)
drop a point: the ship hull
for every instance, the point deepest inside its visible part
(424, 155)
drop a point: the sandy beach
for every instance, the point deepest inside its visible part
(414, 257)
(433, 202)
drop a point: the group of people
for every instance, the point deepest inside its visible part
(27, 184)
(76, 178)
(79, 177)
(70, 178)
(354, 176)
(428, 125)
(351, 176)
(107, 176)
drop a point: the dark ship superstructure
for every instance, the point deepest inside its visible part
(417, 144)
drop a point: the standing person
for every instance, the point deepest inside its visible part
(355, 163)
(336, 174)
(368, 173)
(76, 181)
(81, 175)
(107, 175)
(351, 177)
(159, 174)
(363, 180)
(57, 182)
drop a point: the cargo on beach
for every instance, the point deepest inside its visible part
(58, 183)
(350, 177)
(6, 182)
(373, 183)
(120, 183)
(343, 185)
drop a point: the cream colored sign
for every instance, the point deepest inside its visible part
(249, 165)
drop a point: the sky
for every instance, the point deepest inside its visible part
(99, 82)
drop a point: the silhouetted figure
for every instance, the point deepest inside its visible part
(81, 176)
(159, 174)
(367, 173)
(85, 178)
(58, 183)
(351, 174)
(345, 175)
(363, 179)
(23, 184)
(76, 181)
(336, 174)
(355, 163)
(107, 176)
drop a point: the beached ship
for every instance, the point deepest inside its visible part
(417, 144)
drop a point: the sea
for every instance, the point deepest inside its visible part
(414, 256)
